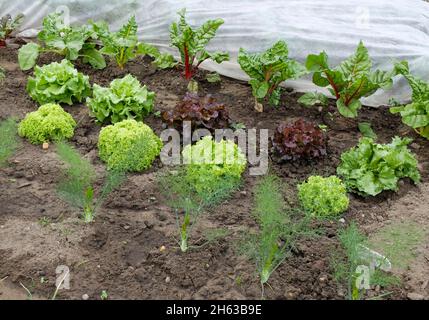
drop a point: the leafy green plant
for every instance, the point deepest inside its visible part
(9, 25)
(366, 130)
(323, 197)
(2, 74)
(58, 83)
(125, 99)
(371, 168)
(49, 123)
(351, 255)
(279, 229)
(415, 114)
(213, 77)
(128, 146)
(67, 41)
(124, 45)
(210, 162)
(8, 141)
(78, 186)
(190, 203)
(192, 43)
(268, 70)
(348, 82)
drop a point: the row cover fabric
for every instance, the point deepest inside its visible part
(390, 29)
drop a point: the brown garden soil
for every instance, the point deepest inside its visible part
(120, 251)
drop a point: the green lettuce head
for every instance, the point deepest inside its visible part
(128, 145)
(125, 99)
(323, 197)
(210, 163)
(49, 123)
(58, 83)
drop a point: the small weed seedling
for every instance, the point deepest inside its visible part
(189, 204)
(348, 82)
(78, 186)
(349, 265)
(9, 140)
(9, 25)
(192, 43)
(2, 74)
(104, 295)
(279, 229)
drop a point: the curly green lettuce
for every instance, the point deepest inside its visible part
(371, 168)
(210, 163)
(49, 123)
(129, 146)
(125, 99)
(58, 83)
(323, 197)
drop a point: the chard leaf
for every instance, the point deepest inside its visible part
(312, 98)
(27, 56)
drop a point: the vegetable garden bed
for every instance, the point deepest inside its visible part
(130, 250)
(104, 216)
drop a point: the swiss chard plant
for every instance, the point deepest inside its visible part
(348, 82)
(202, 112)
(192, 43)
(268, 70)
(415, 114)
(67, 41)
(371, 168)
(124, 45)
(9, 25)
(78, 185)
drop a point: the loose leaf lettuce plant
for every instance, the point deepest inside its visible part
(58, 83)
(268, 70)
(192, 43)
(415, 114)
(78, 185)
(348, 82)
(371, 168)
(124, 45)
(202, 112)
(323, 197)
(49, 123)
(128, 146)
(125, 99)
(298, 140)
(68, 41)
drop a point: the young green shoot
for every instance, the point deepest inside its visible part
(279, 229)
(9, 140)
(78, 186)
(190, 204)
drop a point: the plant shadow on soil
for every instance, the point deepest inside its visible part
(120, 252)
